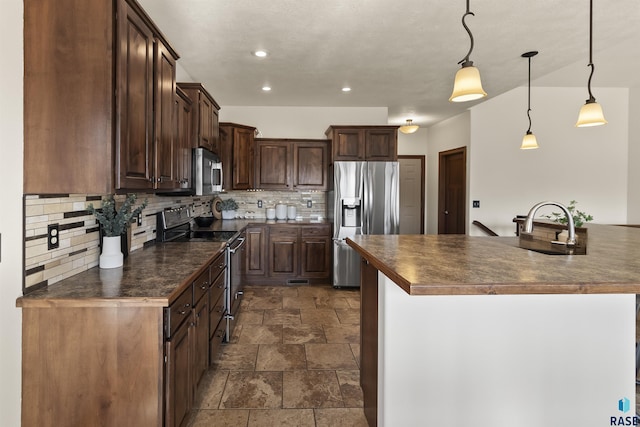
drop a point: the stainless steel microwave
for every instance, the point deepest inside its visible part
(207, 170)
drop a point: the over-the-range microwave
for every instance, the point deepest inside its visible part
(207, 172)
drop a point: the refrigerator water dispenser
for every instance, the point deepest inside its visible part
(351, 213)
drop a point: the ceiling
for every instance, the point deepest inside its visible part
(400, 54)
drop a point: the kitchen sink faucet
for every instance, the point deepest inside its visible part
(528, 223)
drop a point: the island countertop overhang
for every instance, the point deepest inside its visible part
(470, 265)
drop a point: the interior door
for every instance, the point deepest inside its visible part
(452, 189)
(412, 177)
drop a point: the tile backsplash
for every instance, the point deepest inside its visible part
(79, 239)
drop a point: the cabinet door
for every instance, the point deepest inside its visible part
(134, 118)
(381, 144)
(369, 340)
(255, 251)
(178, 381)
(200, 341)
(242, 154)
(283, 251)
(315, 256)
(182, 119)
(165, 89)
(348, 144)
(310, 165)
(215, 129)
(272, 161)
(205, 129)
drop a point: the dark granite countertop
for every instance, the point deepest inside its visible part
(465, 265)
(239, 224)
(153, 276)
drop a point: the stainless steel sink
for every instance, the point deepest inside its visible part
(550, 248)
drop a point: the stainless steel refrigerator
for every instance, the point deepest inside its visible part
(364, 200)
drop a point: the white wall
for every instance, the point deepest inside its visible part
(301, 122)
(584, 164)
(633, 193)
(446, 135)
(11, 147)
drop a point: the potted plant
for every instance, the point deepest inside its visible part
(228, 208)
(114, 223)
(579, 218)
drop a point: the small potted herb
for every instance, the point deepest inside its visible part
(114, 223)
(579, 217)
(228, 208)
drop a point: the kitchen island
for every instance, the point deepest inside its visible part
(460, 330)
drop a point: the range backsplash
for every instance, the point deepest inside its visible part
(79, 239)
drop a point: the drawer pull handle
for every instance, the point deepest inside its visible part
(182, 312)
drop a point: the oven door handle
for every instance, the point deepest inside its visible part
(235, 249)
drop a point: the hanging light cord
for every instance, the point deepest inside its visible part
(529, 99)
(465, 61)
(591, 97)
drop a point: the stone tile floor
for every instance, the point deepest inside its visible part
(292, 361)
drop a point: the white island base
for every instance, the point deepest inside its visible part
(504, 360)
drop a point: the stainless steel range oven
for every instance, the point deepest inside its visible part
(177, 225)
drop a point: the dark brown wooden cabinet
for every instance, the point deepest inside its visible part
(182, 138)
(315, 251)
(205, 131)
(283, 252)
(91, 104)
(369, 340)
(237, 153)
(277, 253)
(255, 251)
(363, 143)
(291, 164)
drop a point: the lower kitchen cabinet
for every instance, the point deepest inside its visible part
(178, 386)
(281, 253)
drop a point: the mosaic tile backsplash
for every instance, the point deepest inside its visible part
(79, 238)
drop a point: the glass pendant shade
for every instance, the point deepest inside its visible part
(467, 85)
(409, 127)
(591, 115)
(529, 142)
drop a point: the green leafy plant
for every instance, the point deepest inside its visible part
(115, 222)
(579, 217)
(228, 205)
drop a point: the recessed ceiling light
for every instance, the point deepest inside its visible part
(346, 89)
(266, 88)
(260, 53)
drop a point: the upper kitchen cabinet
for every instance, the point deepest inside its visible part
(291, 164)
(363, 143)
(205, 131)
(182, 138)
(91, 80)
(237, 152)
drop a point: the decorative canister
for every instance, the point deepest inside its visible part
(281, 211)
(291, 212)
(271, 213)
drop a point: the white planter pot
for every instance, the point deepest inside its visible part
(111, 256)
(228, 214)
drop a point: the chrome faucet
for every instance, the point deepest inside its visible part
(528, 223)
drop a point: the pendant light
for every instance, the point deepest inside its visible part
(529, 141)
(591, 112)
(467, 85)
(409, 127)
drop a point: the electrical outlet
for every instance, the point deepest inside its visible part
(259, 203)
(53, 236)
(309, 203)
(476, 203)
(139, 219)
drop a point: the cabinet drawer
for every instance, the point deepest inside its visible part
(217, 288)
(284, 231)
(216, 314)
(201, 286)
(178, 312)
(313, 231)
(218, 266)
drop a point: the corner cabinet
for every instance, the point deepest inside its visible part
(301, 164)
(363, 143)
(205, 128)
(237, 151)
(103, 104)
